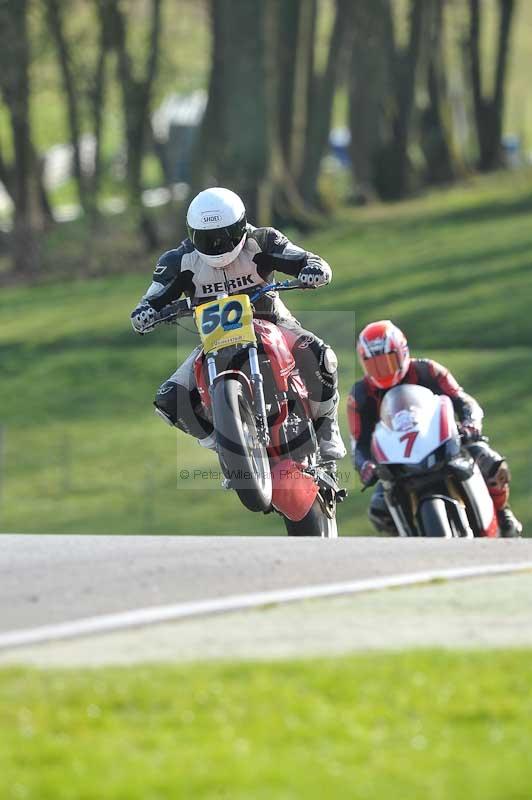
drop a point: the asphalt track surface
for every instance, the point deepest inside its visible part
(45, 580)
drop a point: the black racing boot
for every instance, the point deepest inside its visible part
(510, 526)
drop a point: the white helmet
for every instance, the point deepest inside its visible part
(217, 226)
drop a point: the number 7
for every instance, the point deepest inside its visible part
(409, 438)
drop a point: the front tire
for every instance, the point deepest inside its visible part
(433, 520)
(244, 460)
(315, 523)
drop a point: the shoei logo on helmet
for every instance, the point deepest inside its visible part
(209, 218)
(377, 346)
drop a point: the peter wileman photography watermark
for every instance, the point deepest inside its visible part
(216, 474)
(306, 373)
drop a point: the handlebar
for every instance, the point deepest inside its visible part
(466, 437)
(182, 308)
(174, 311)
(278, 286)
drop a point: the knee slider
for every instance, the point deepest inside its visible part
(178, 406)
(164, 416)
(329, 360)
(166, 402)
(328, 372)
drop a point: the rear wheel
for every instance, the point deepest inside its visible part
(433, 520)
(315, 523)
(244, 460)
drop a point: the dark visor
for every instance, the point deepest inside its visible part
(218, 241)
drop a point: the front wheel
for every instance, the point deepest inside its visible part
(315, 523)
(433, 519)
(244, 460)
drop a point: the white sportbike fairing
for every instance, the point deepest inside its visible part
(431, 484)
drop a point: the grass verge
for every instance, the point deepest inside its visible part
(82, 451)
(413, 725)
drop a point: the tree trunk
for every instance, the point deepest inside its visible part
(295, 63)
(136, 98)
(405, 95)
(286, 204)
(246, 138)
(204, 156)
(14, 82)
(96, 102)
(393, 169)
(489, 110)
(287, 57)
(436, 120)
(319, 122)
(55, 10)
(233, 148)
(369, 85)
(6, 176)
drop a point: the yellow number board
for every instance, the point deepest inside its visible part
(225, 322)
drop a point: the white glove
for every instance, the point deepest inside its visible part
(314, 275)
(143, 318)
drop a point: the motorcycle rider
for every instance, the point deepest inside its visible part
(384, 355)
(225, 254)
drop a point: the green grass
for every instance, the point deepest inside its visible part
(82, 450)
(411, 726)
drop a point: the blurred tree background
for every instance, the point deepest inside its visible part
(125, 107)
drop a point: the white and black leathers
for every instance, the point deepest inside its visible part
(266, 250)
(183, 271)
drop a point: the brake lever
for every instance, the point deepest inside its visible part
(177, 310)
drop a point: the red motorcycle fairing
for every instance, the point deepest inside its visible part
(481, 504)
(201, 379)
(299, 388)
(275, 343)
(377, 451)
(293, 491)
(446, 418)
(274, 448)
(276, 348)
(492, 532)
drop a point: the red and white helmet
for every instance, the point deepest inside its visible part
(383, 352)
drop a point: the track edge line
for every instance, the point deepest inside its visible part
(154, 615)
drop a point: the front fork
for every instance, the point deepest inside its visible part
(257, 387)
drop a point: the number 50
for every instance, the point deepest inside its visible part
(229, 319)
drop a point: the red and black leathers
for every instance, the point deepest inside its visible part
(364, 402)
(363, 406)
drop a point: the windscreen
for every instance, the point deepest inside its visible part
(404, 406)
